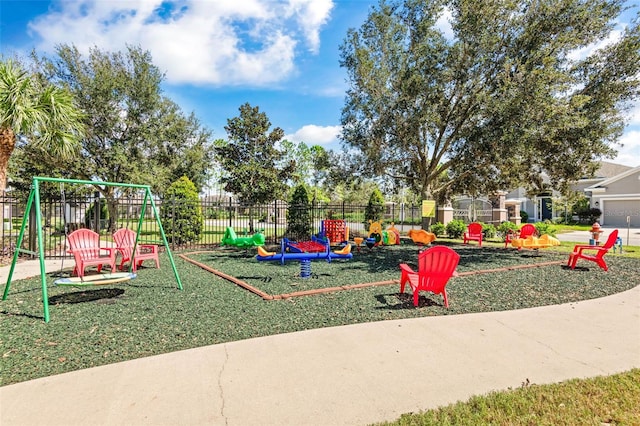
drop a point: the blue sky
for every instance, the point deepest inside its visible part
(280, 55)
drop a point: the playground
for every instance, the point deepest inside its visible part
(148, 315)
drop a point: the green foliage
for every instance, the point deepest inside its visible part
(589, 215)
(545, 228)
(438, 228)
(89, 216)
(311, 162)
(581, 204)
(254, 169)
(524, 216)
(44, 114)
(146, 139)
(488, 230)
(501, 99)
(133, 133)
(505, 227)
(181, 207)
(299, 214)
(456, 228)
(374, 209)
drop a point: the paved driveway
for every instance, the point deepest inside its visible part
(629, 237)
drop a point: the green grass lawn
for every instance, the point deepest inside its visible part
(611, 400)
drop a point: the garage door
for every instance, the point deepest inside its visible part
(615, 213)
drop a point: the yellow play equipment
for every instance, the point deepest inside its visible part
(535, 243)
(389, 237)
(420, 236)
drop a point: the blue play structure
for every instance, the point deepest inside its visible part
(293, 251)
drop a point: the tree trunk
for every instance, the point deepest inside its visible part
(7, 145)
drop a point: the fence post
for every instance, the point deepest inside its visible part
(173, 222)
(344, 216)
(413, 209)
(96, 212)
(32, 231)
(275, 220)
(230, 212)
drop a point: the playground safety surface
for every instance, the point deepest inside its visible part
(325, 290)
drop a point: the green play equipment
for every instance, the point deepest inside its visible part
(34, 198)
(231, 239)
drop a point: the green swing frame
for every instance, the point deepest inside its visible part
(34, 198)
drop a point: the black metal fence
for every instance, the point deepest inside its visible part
(61, 216)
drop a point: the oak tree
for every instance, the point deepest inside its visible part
(503, 98)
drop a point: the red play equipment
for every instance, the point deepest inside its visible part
(336, 231)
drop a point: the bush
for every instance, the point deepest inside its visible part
(545, 228)
(456, 228)
(589, 215)
(506, 227)
(524, 216)
(438, 229)
(213, 213)
(181, 207)
(298, 214)
(104, 214)
(375, 208)
(488, 230)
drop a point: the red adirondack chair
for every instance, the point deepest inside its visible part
(84, 244)
(474, 233)
(125, 240)
(598, 256)
(526, 230)
(436, 266)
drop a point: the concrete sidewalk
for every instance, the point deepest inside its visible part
(31, 268)
(349, 375)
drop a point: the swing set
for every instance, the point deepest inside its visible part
(104, 278)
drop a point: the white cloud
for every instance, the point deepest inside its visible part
(315, 135)
(202, 42)
(311, 15)
(444, 23)
(629, 153)
(584, 52)
(634, 115)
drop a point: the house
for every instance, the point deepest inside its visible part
(612, 183)
(618, 197)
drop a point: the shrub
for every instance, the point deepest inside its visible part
(488, 230)
(104, 214)
(298, 214)
(545, 228)
(524, 216)
(456, 228)
(588, 215)
(505, 227)
(438, 229)
(594, 215)
(181, 207)
(375, 208)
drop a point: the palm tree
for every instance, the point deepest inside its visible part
(41, 113)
